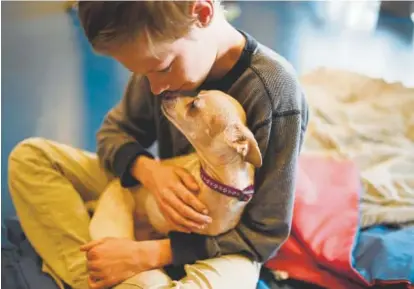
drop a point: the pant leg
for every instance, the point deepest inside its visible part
(152, 279)
(230, 271)
(49, 184)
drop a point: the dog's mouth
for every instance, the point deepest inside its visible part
(168, 106)
(168, 100)
(169, 95)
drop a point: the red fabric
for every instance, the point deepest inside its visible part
(325, 223)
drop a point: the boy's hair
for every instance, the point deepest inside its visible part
(109, 24)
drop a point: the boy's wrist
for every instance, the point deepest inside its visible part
(164, 256)
(159, 253)
(149, 255)
(142, 166)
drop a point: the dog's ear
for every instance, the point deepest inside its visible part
(240, 138)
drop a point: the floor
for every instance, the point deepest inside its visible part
(53, 86)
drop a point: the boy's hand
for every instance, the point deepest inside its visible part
(174, 189)
(111, 261)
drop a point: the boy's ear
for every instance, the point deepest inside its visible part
(240, 138)
(203, 11)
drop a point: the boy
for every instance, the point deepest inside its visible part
(168, 46)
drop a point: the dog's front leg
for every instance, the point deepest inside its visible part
(114, 217)
(114, 214)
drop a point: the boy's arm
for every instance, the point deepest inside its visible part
(266, 222)
(127, 131)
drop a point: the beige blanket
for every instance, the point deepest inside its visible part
(371, 122)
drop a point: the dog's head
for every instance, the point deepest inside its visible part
(214, 123)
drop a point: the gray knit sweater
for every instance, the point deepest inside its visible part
(277, 114)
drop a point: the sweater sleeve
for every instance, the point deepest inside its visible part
(266, 222)
(128, 130)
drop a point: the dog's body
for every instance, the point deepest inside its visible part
(226, 153)
(225, 211)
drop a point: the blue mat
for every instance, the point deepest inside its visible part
(21, 267)
(385, 254)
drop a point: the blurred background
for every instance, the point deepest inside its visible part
(54, 86)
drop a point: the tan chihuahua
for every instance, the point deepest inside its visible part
(223, 166)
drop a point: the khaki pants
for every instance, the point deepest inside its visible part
(51, 185)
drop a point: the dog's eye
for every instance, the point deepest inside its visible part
(194, 104)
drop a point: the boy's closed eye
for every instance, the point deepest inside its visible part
(167, 69)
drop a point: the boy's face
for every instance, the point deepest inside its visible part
(181, 65)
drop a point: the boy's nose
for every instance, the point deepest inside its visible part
(158, 88)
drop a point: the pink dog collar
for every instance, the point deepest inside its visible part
(243, 195)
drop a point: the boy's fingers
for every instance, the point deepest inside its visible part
(188, 197)
(189, 205)
(187, 179)
(96, 275)
(91, 244)
(166, 211)
(179, 220)
(96, 284)
(93, 266)
(176, 226)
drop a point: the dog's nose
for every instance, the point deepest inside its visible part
(169, 95)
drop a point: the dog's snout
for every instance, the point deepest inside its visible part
(168, 95)
(169, 103)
